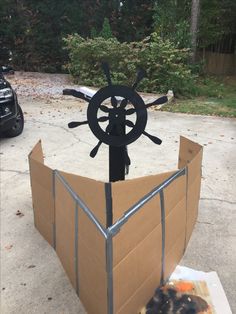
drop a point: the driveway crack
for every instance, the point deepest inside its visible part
(218, 200)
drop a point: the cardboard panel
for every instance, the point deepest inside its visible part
(41, 173)
(149, 216)
(91, 261)
(144, 258)
(37, 152)
(195, 168)
(174, 193)
(44, 205)
(126, 193)
(136, 229)
(175, 224)
(42, 196)
(133, 270)
(192, 205)
(65, 229)
(175, 254)
(92, 193)
(44, 226)
(92, 281)
(143, 294)
(187, 151)
(92, 238)
(190, 155)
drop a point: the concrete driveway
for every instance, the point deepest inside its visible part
(32, 278)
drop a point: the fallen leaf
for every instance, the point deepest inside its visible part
(19, 213)
(9, 246)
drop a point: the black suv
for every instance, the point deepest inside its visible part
(11, 115)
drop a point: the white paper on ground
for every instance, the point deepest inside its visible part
(216, 291)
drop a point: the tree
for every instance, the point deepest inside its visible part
(132, 20)
(171, 21)
(194, 27)
(106, 31)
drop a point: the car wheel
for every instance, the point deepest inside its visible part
(18, 127)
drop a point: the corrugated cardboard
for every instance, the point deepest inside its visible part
(139, 246)
(41, 178)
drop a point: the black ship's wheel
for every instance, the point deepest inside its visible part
(117, 115)
(118, 104)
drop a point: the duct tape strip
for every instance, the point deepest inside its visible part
(82, 205)
(109, 269)
(109, 213)
(76, 248)
(54, 208)
(163, 231)
(186, 218)
(115, 228)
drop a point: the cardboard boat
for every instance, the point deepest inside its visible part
(117, 241)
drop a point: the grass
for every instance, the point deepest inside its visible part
(217, 97)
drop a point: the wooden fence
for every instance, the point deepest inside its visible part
(219, 63)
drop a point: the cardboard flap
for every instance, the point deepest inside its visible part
(92, 193)
(37, 152)
(188, 150)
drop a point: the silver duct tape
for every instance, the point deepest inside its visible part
(54, 213)
(82, 205)
(109, 213)
(109, 269)
(186, 218)
(76, 248)
(115, 228)
(163, 232)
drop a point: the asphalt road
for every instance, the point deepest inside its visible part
(32, 278)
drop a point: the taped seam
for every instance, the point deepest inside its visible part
(54, 207)
(186, 218)
(109, 269)
(109, 209)
(163, 231)
(76, 249)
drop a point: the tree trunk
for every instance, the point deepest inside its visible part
(194, 27)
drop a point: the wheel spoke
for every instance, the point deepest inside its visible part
(159, 101)
(129, 123)
(94, 151)
(130, 111)
(74, 124)
(114, 102)
(75, 93)
(123, 103)
(104, 108)
(154, 139)
(103, 119)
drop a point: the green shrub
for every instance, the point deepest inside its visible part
(106, 31)
(166, 66)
